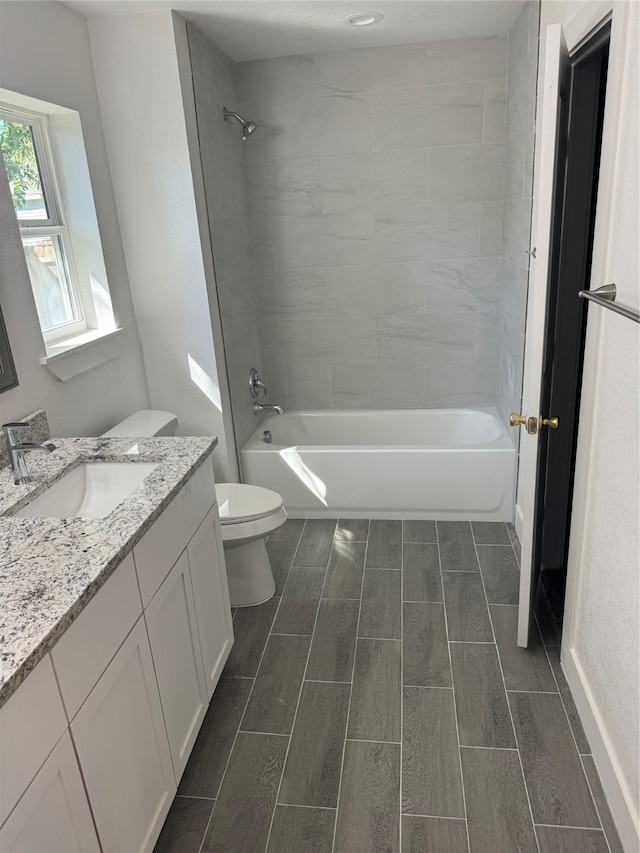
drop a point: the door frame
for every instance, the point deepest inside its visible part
(587, 19)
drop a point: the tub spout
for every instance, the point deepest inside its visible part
(259, 409)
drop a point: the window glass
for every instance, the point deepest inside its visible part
(50, 281)
(21, 161)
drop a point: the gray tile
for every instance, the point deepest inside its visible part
(371, 69)
(475, 284)
(463, 174)
(250, 787)
(352, 530)
(500, 573)
(251, 627)
(490, 533)
(334, 641)
(495, 110)
(299, 603)
(524, 669)
(296, 829)
(425, 652)
(315, 543)
(481, 703)
(281, 553)
(381, 614)
(608, 825)
(375, 698)
(203, 773)
(374, 291)
(265, 80)
(431, 781)
(404, 337)
(399, 178)
(467, 59)
(291, 529)
(421, 570)
(312, 772)
(185, 826)
(323, 239)
(497, 808)
(419, 531)
(467, 614)
(514, 540)
(569, 705)
(368, 812)
(442, 835)
(561, 839)
(391, 385)
(457, 548)
(340, 123)
(273, 702)
(385, 545)
(557, 786)
(346, 566)
(438, 232)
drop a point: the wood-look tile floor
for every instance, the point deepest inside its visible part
(379, 703)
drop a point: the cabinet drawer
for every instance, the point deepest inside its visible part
(161, 546)
(31, 722)
(83, 653)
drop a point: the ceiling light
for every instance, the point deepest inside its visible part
(363, 19)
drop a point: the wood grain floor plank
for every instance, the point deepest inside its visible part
(346, 566)
(298, 829)
(497, 810)
(490, 533)
(421, 572)
(375, 700)
(368, 811)
(500, 573)
(381, 613)
(425, 652)
(299, 603)
(419, 531)
(556, 782)
(243, 812)
(385, 544)
(273, 702)
(436, 834)
(481, 702)
(524, 669)
(560, 839)
(281, 553)
(185, 826)
(615, 845)
(431, 781)
(352, 530)
(203, 773)
(291, 529)
(334, 641)
(312, 772)
(457, 548)
(251, 627)
(315, 543)
(467, 613)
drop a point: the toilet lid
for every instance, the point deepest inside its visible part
(241, 502)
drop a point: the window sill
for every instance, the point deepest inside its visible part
(76, 355)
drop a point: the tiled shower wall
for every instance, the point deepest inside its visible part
(518, 192)
(214, 82)
(375, 185)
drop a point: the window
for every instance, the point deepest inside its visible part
(50, 189)
(26, 149)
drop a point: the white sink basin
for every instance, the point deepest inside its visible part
(92, 490)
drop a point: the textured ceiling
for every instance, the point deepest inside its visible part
(264, 29)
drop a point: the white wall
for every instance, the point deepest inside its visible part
(141, 100)
(602, 622)
(57, 68)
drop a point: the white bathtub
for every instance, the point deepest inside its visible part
(432, 463)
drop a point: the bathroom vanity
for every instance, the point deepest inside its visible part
(115, 634)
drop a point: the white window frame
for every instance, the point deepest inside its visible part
(54, 225)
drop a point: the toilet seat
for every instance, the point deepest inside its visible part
(240, 503)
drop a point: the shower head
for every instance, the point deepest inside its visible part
(247, 126)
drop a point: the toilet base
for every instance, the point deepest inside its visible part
(249, 574)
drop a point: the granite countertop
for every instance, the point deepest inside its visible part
(50, 568)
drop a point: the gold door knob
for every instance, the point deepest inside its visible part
(517, 420)
(552, 423)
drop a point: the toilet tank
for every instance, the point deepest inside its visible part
(144, 424)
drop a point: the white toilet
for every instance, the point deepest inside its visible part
(248, 514)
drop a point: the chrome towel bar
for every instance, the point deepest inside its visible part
(605, 296)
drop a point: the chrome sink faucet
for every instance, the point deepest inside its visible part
(258, 408)
(17, 450)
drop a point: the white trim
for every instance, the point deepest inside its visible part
(624, 810)
(76, 355)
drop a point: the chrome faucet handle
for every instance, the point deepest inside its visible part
(256, 384)
(12, 430)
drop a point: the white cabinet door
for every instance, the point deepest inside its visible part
(53, 814)
(173, 634)
(211, 593)
(123, 750)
